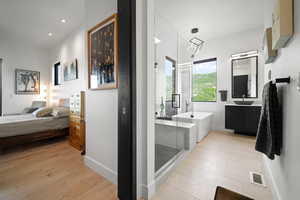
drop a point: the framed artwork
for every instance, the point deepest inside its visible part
(103, 55)
(70, 70)
(283, 23)
(269, 54)
(27, 82)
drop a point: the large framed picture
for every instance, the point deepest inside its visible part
(103, 55)
(27, 82)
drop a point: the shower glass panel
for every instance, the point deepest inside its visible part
(169, 135)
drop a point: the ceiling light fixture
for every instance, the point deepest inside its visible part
(194, 30)
(50, 34)
(63, 20)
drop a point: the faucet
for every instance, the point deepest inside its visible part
(187, 104)
(244, 97)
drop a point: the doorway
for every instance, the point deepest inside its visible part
(208, 160)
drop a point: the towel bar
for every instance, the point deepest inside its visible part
(282, 80)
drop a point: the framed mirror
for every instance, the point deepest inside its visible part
(244, 77)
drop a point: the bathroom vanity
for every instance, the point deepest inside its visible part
(243, 119)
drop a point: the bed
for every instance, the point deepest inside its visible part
(27, 128)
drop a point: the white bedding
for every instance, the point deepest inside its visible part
(25, 124)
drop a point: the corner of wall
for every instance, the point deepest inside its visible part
(272, 183)
(101, 169)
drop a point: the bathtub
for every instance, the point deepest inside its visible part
(202, 120)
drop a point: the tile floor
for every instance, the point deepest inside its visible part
(163, 154)
(223, 159)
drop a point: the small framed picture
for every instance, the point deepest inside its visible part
(27, 82)
(175, 100)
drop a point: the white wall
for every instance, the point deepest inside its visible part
(68, 50)
(18, 54)
(285, 170)
(222, 49)
(101, 107)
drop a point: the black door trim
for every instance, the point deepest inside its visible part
(127, 188)
(1, 61)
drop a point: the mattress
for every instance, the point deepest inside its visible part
(26, 124)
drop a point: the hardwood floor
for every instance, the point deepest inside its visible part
(221, 159)
(51, 171)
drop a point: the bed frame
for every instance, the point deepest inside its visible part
(30, 138)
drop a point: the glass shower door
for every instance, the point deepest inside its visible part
(169, 137)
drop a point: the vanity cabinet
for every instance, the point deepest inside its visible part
(242, 119)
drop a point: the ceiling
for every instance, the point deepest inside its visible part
(214, 18)
(32, 20)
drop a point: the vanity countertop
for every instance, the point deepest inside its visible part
(233, 104)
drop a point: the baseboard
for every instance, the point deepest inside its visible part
(101, 169)
(271, 180)
(148, 191)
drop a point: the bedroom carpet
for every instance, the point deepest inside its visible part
(50, 171)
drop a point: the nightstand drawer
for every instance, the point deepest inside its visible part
(77, 133)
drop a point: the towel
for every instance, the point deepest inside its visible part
(269, 133)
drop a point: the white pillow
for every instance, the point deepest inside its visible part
(43, 112)
(60, 112)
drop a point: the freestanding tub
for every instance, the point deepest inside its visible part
(202, 120)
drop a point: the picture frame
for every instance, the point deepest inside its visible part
(283, 23)
(103, 55)
(70, 71)
(270, 54)
(27, 82)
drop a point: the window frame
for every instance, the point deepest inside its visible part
(205, 61)
(56, 72)
(174, 72)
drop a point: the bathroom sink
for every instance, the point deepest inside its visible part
(243, 102)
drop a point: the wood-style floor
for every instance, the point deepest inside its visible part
(51, 171)
(221, 159)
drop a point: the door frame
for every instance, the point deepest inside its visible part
(127, 161)
(1, 65)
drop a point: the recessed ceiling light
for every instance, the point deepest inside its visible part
(63, 20)
(50, 34)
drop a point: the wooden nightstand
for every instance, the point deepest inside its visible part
(77, 122)
(77, 132)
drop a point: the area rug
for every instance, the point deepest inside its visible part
(225, 194)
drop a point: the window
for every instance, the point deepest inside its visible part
(170, 66)
(204, 81)
(57, 73)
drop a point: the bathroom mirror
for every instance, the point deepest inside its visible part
(244, 77)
